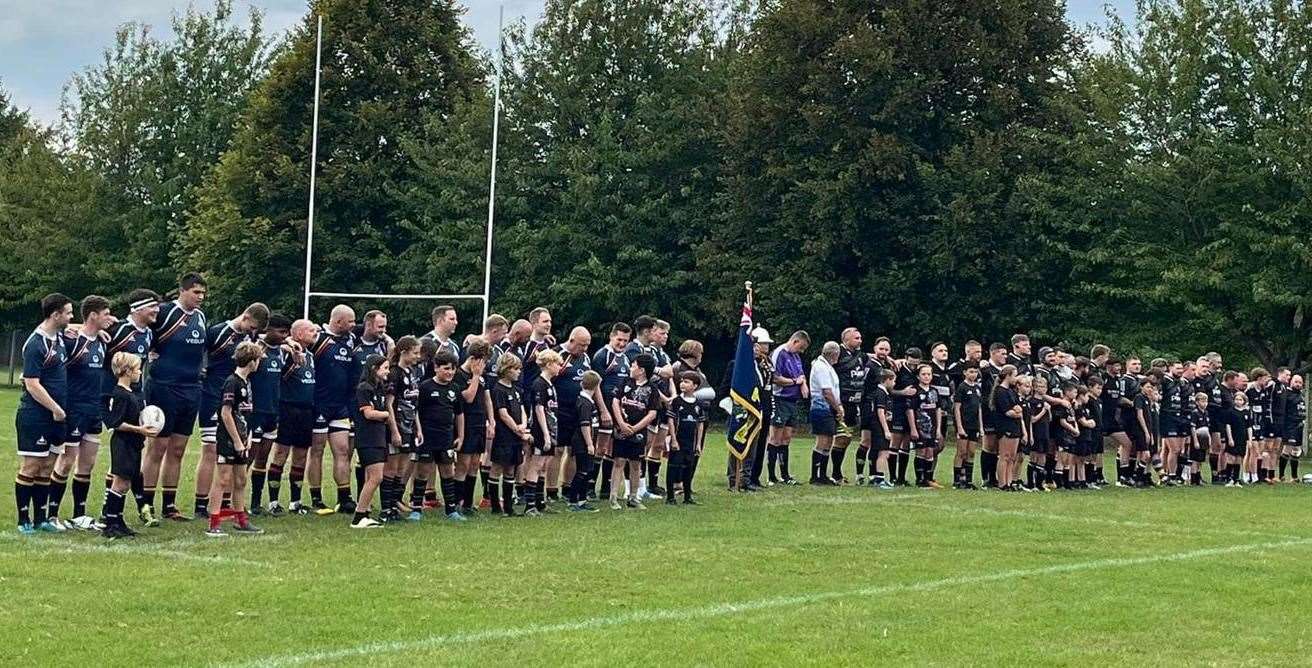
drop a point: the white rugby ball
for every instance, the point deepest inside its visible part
(1307, 478)
(152, 417)
(705, 396)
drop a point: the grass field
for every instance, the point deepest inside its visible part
(789, 576)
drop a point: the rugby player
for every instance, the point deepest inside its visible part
(221, 340)
(40, 419)
(87, 361)
(334, 393)
(266, 385)
(295, 418)
(852, 368)
(175, 387)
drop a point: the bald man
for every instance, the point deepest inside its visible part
(574, 352)
(295, 417)
(334, 388)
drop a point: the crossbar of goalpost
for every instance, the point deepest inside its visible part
(491, 198)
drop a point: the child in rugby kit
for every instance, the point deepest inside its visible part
(511, 431)
(471, 381)
(123, 417)
(924, 420)
(442, 421)
(1088, 413)
(1094, 458)
(232, 442)
(543, 422)
(633, 408)
(403, 462)
(968, 418)
(881, 436)
(1239, 431)
(1200, 430)
(1065, 430)
(687, 420)
(1040, 418)
(584, 444)
(371, 436)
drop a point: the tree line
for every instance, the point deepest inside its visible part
(933, 170)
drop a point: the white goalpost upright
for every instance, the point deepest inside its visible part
(491, 198)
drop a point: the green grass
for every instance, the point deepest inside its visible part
(792, 575)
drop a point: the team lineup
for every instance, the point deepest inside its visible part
(417, 424)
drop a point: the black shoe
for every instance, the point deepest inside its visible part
(691, 502)
(671, 502)
(346, 508)
(657, 490)
(255, 511)
(316, 506)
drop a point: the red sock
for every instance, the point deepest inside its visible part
(242, 518)
(215, 519)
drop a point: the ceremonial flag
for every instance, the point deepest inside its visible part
(744, 392)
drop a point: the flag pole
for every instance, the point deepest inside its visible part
(492, 179)
(314, 165)
(740, 463)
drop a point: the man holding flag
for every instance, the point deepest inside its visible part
(744, 398)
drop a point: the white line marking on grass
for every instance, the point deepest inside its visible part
(54, 546)
(842, 500)
(729, 609)
(1133, 524)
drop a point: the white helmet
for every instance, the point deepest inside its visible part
(760, 335)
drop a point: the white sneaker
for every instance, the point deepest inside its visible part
(87, 523)
(366, 522)
(59, 525)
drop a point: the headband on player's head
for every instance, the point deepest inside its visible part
(142, 304)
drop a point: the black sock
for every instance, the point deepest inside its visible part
(653, 475)
(836, 458)
(772, 456)
(138, 490)
(257, 488)
(23, 498)
(673, 474)
(294, 483)
(448, 495)
(484, 475)
(467, 491)
(275, 483)
(417, 491)
(1293, 467)
(818, 461)
(316, 496)
(903, 458)
(784, 455)
(493, 493)
(58, 485)
(202, 504)
(862, 454)
(528, 490)
(112, 513)
(508, 494)
(541, 494)
(359, 477)
(1212, 461)
(81, 488)
(430, 493)
(607, 471)
(1233, 471)
(40, 494)
(689, 471)
(956, 474)
(988, 467)
(170, 498)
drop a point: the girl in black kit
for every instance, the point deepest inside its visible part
(402, 392)
(1007, 412)
(1040, 435)
(371, 435)
(924, 420)
(512, 430)
(1200, 430)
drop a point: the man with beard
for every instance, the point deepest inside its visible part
(852, 367)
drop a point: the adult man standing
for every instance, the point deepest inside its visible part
(296, 415)
(444, 327)
(174, 386)
(221, 340)
(86, 370)
(39, 421)
(826, 411)
(755, 459)
(613, 365)
(132, 335)
(852, 366)
(1019, 356)
(334, 390)
(789, 389)
(574, 354)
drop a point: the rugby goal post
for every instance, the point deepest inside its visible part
(491, 197)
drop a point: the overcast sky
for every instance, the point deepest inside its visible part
(43, 42)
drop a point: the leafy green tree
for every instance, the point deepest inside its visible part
(152, 119)
(872, 155)
(1192, 218)
(386, 66)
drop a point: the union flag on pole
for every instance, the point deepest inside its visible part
(744, 392)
